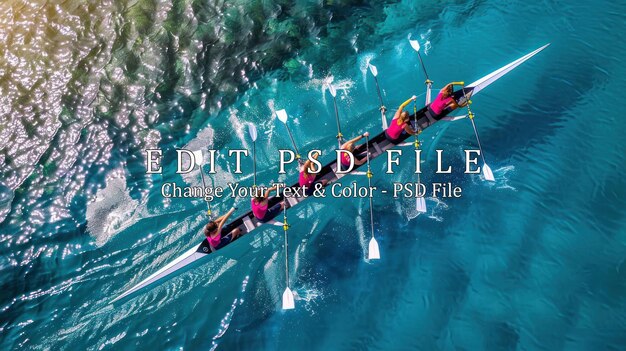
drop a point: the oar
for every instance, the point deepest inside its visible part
(253, 136)
(374, 71)
(282, 116)
(333, 92)
(199, 160)
(373, 253)
(420, 202)
(487, 173)
(416, 46)
(288, 302)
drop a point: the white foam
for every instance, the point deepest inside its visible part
(112, 211)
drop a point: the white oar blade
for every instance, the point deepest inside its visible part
(282, 115)
(420, 205)
(415, 45)
(197, 157)
(373, 252)
(288, 302)
(332, 90)
(252, 131)
(488, 173)
(373, 69)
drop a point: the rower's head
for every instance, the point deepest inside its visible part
(259, 199)
(309, 169)
(448, 90)
(404, 116)
(210, 228)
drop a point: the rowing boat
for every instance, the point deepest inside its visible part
(378, 145)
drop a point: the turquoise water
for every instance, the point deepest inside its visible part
(532, 262)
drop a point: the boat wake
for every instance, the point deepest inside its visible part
(360, 223)
(502, 177)
(435, 212)
(364, 61)
(310, 297)
(225, 322)
(112, 211)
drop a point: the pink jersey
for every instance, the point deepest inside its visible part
(259, 208)
(345, 159)
(394, 129)
(214, 240)
(440, 103)
(305, 180)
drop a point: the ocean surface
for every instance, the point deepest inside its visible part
(534, 261)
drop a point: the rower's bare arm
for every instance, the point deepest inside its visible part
(354, 140)
(409, 129)
(269, 190)
(224, 218)
(404, 104)
(401, 108)
(219, 219)
(360, 162)
(308, 163)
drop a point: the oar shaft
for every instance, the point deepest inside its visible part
(470, 115)
(380, 96)
(367, 155)
(202, 176)
(371, 213)
(416, 138)
(369, 182)
(286, 248)
(208, 203)
(254, 160)
(339, 135)
(478, 140)
(415, 117)
(383, 118)
(286, 259)
(293, 142)
(422, 63)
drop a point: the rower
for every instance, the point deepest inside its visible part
(213, 232)
(344, 165)
(444, 102)
(260, 206)
(400, 125)
(307, 178)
